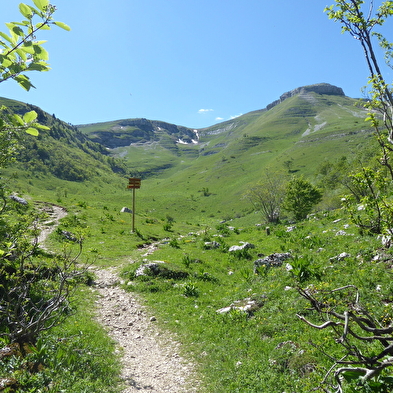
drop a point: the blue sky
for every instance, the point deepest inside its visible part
(187, 62)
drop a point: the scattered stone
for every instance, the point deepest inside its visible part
(19, 200)
(150, 362)
(386, 240)
(340, 257)
(159, 268)
(272, 260)
(212, 245)
(290, 229)
(341, 233)
(69, 236)
(244, 246)
(246, 305)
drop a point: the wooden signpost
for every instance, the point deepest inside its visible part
(133, 183)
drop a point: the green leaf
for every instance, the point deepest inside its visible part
(41, 4)
(24, 82)
(29, 116)
(42, 26)
(40, 52)
(25, 10)
(32, 131)
(6, 37)
(28, 48)
(21, 54)
(42, 67)
(41, 126)
(5, 62)
(351, 375)
(62, 25)
(18, 120)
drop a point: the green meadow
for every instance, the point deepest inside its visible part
(192, 195)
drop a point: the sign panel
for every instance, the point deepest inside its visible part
(134, 182)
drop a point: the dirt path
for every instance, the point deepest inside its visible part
(151, 362)
(150, 358)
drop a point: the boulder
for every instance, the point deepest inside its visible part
(340, 257)
(211, 245)
(247, 305)
(125, 210)
(243, 246)
(69, 236)
(272, 260)
(159, 269)
(19, 200)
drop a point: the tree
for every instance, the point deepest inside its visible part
(300, 197)
(361, 19)
(22, 53)
(358, 18)
(365, 335)
(34, 288)
(267, 196)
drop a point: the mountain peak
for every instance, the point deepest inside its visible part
(319, 88)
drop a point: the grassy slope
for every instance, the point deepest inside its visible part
(235, 353)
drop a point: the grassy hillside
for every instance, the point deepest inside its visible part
(187, 190)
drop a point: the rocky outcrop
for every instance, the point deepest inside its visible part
(319, 88)
(272, 260)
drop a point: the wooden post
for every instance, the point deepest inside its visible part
(133, 183)
(133, 210)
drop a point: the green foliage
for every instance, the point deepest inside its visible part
(21, 51)
(300, 197)
(267, 196)
(75, 356)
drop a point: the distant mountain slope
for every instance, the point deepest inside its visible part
(300, 120)
(122, 133)
(63, 151)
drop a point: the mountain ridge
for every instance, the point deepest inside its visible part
(124, 132)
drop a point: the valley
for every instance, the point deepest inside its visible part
(200, 258)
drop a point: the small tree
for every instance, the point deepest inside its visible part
(267, 196)
(300, 197)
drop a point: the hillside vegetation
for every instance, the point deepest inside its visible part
(240, 320)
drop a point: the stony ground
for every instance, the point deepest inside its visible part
(150, 358)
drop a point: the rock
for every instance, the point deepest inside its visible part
(319, 88)
(19, 200)
(272, 260)
(69, 236)
(159, 268)
(125, 210)
(246, 305)
(386, 240)
(244, 246)
(340, 257)
(149, 269)
(341, 233)
(212, 245)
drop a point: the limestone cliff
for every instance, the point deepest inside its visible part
(319, 88)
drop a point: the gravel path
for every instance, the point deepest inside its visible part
(150, 358)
